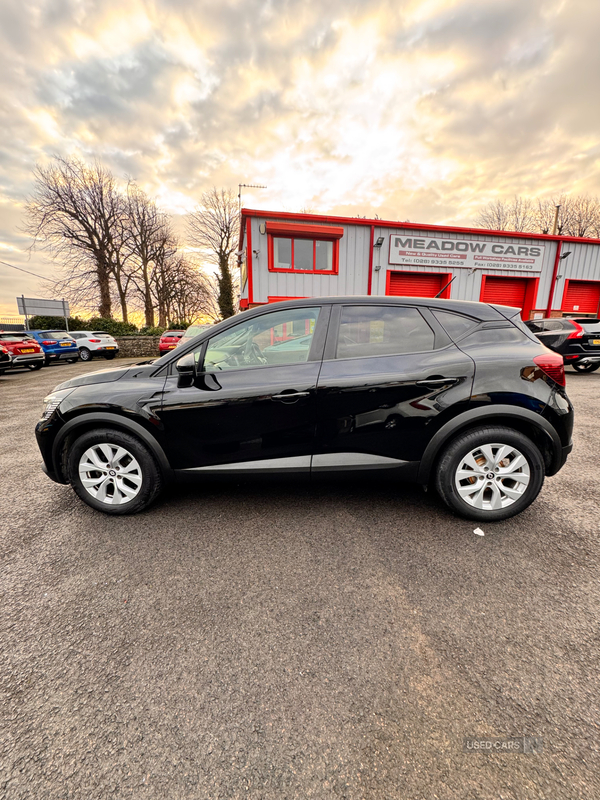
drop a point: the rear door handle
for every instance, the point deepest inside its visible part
(436, 381)
(289, 397)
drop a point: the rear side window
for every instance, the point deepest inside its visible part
(455, 325)
(382, 330)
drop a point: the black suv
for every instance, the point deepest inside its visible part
(452, 393)
(577, 339)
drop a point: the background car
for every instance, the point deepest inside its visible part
(169, 341)
(22, 351)
(95, 343)
(192, 331)
(577, 339)
(56, 345)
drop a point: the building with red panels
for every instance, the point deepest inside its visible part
(286, 256)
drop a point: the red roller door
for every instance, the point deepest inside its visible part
(417, 284)
(582, 296)
(518, 292)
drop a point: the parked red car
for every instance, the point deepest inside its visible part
(169, 341)
(23, 351)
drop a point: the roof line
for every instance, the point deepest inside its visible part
(418, 226)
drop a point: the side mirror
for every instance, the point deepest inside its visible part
(186, 365)
(186, 370)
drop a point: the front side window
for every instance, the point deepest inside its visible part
(282, 337)
(382, 330)
(303, 255)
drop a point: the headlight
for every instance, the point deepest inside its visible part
(52, 402)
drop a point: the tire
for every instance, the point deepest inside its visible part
(586, 367)
(499, 497)
(85, 354)
(106, 491)
(36, 366)
(71, 360)
(109, 356)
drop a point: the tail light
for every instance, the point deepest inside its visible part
(577, 333)
(49, 341)
(553, 366)
(95, 340)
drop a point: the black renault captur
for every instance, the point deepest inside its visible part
(455, 394)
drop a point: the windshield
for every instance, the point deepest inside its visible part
(194, 330)
(13, 337)
(591, 327)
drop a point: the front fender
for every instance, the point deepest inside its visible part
(95, 420)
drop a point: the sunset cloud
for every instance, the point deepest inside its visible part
(419, 110)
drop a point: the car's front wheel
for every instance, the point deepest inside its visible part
(112, 471)
(586, 367)
(85, 354)
(490, 473)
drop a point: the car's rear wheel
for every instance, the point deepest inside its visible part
(37, 365)
(112, 471)
(72, 360)
(490, 473)
(586, 367)
(85, 354)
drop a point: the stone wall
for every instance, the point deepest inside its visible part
(138, 346)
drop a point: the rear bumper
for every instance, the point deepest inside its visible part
(62, 354)
(22, 360)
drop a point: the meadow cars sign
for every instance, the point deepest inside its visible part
(469, 253)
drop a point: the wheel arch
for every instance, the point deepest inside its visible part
(532, 425)
(87, 422)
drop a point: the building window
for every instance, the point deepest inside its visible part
(295, 254)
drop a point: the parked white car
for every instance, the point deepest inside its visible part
(95, 343)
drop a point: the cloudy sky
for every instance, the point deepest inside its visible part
(420, 110)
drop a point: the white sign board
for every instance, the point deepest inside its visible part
(428, 251)
(29, 306)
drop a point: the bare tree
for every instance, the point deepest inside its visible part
(214, 228)
(150, 244)
(181, 291)
(76, 214)
(578, 215)
(508, 215)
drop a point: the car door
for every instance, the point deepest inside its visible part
(251, 403)
(389, 371)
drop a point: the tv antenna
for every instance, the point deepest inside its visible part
(247, 186)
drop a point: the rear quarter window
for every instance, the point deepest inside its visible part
(455, 325)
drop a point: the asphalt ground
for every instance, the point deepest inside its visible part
(294, 641)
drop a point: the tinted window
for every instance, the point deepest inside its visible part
(555, 325)
(55, 335)
(281, 337)
(494, 336)
(536, 325)
(382, 330)
(455, 324)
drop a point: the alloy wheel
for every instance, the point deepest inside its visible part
(492, 476)
(110, 474)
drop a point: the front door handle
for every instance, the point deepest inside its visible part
(289, 397)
